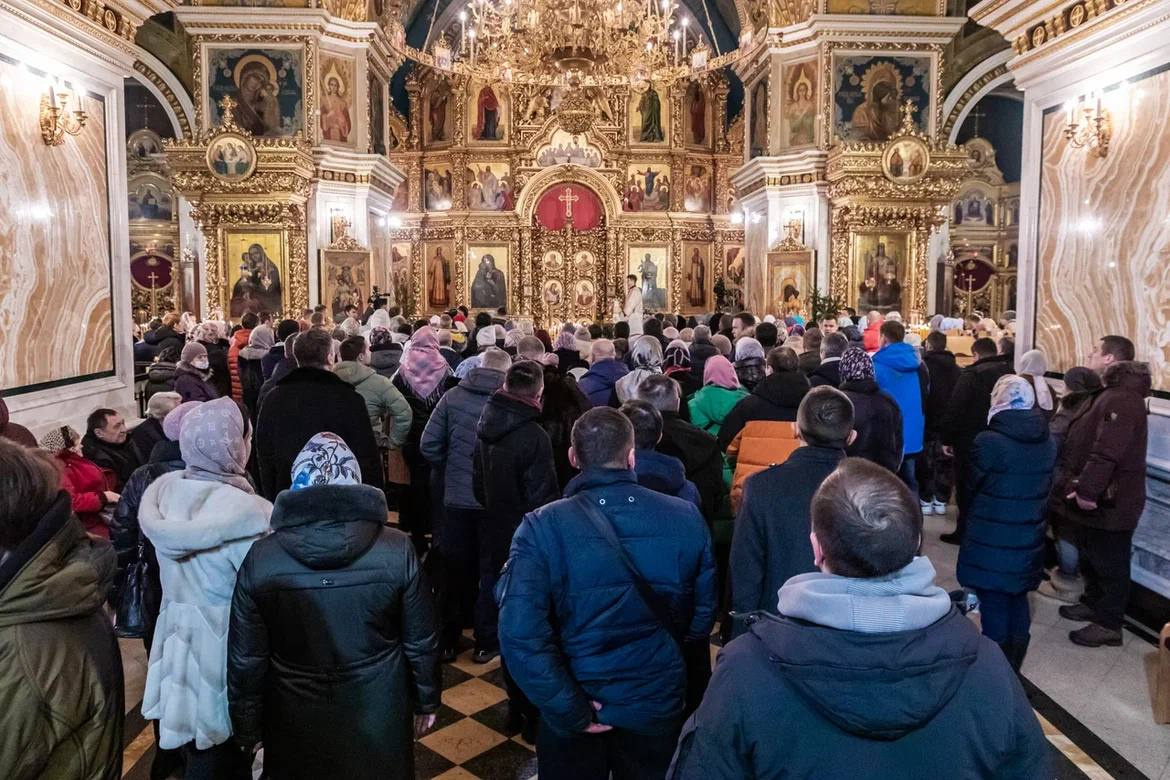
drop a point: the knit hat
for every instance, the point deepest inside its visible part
(173, 423)
(192, 352)
(325, 460)
(1079, 379)
(855, 365)
(1011, 392)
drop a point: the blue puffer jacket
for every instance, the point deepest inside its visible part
(1009, 474)
(573, 627)
(666, 474)
(901, 374)
(449, 436)
(599, 381)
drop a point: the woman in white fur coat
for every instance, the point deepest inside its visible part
(201, 521)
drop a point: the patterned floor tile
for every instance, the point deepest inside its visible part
(506, 761)
(428, 763)
(463, 741)
(473, 695)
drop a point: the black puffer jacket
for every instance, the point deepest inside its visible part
(966, 413)
(514, 471)
(700, 455)
(385, 358)
(878, 423)
(160, 378)
(217, 361)
(944, 375)
(332, 647)
(561, 405)
(827, 372)
(449, 435)
(776, 399)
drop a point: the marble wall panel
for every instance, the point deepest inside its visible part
(1103, 255)
(54, 243)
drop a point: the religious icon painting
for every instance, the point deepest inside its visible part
(566, 148)
(758, 145)
(487, 275)
(974, 207)
(231, 157)
(696, 117)
(552, 292)
(647, 188)
(150, 197)
(790, 275)
(870, 91)
(401, 290)
(884, 7)
(487, 119)
(337, 100)
(585, 297)
(344, 280)
(879, 265)
(906, 160)
(696, 276)
(439, 117)
(438, 276)
(255, 268)
(489, 187)
(733, 273)
(697, 189)
(553, 260)
(266, 84)
(798, 118)
(651, 264)
(437, 187)
(584, 261)
(649, 115)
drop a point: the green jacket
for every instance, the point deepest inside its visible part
(60, 667)
(389, 411)
(710, 406)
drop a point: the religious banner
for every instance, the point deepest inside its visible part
(565, 203)
(438, 275)
(487, 270)
(696, 259)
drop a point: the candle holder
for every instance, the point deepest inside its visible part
(1092, 130)
(56, 120)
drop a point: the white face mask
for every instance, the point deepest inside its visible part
(200, 363)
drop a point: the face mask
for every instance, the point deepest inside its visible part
(200, 363)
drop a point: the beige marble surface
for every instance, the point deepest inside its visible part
(1103, 261)
(55, 305)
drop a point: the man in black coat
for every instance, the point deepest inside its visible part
(771, 531)
(561, 404)
(966, 417)
(105, 443)
(308, 400)
(811, 357)
(833, 346)
(701, 349)
(934, 468)
(869, 670)
(776, 398)
(698, 450)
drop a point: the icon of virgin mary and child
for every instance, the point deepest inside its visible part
(258, 288)
(489, 289)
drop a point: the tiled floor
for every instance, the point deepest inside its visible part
(1093, 704)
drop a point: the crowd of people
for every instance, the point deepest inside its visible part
(591, 502)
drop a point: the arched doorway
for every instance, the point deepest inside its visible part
(570, 254)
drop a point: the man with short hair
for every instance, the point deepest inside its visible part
(277, 355)
(631, 308)
(600, 381)
(768, 335)
(810, 359)
(308, 400)
(833, 346)
(698, 450)
(105, 443)
(771, 530)
(448, 443)
(701, 350)
(1101, 479)
(827, 326)
(868, 668)
(966, 417)
(900, 373)
(379, 318)
(390, 414)
(740, 323)
(562, 403)
(662, 473)
(934, 467)
(452, 356)
(602, 592)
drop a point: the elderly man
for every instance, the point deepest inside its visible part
(600, 381)
(105, 443)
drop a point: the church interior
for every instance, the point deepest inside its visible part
(1002, 159)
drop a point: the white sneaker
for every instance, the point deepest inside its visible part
(927, 507)
(940, 508)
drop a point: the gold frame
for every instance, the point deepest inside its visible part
(247, 141)
(283, 265)
(422, 299)
(685, 306)
(907, 280)
(345, 247)
(798, 258)
(468, 274)
(667, 274)
(894, 144)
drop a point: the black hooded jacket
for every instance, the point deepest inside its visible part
(514, 471)
(775, 399)
(794, 699)
(332, 647)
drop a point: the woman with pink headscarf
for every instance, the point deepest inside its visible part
(721, 391)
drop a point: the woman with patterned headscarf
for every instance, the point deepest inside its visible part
(645, 359)
(876, 417)
(211, 336)
(88, 485)
(677, 364)
(568, 349)
(332, 589)
(1008, 477)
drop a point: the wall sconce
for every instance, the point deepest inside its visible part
(1090, 125)
(56, 119)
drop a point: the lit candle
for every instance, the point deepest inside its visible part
(676, 34)
(463, 31)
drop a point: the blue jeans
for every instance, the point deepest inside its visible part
(1005, 616)
(1068, 556)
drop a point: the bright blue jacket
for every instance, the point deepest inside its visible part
(901, 374)
(573, 628)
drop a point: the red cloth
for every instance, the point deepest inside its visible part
(871, 339)
(588, 212)
(239, 341)
(86, 483)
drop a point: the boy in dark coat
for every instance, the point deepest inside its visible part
(662, 473)
(869, 671)
(1002, 552)
(771, 531)
(934, 468)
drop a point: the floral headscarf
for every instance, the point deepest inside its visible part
(856, 365)
(718, 371)
(646, 353)
(423, 367)
(566, 339)
(325, 460)
(1011, 392)
(678, 357)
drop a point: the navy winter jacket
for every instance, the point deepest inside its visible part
(665, 474)
(901, 374)
(1009, 476)
(573, 628)
(599, 381)
(449, 436)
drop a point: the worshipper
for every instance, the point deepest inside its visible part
(871, 338)
(656, 471)
(876, 416)
(149, 432)
(208, 334)
(202, 521)
(485, 338)
(310, 398)
(828, 371)
(600, 381)
(768, 335)
(332, 659)
(1006, 346)
(701, 349)
(280, 372)
(750, 366)
(389, 413)
(105, 444)
(584, 643)
(446, 348)
(276, 353)
(60, 666)
(934, 467)
(771, 541)
(699, 451)
(867, 668)
(160, 377)
(561, 404)
(775, 398)
(900, 372)
(352, 324)
(90, 487)
(653, 329)
(166, 334)
(847, 328)
(483, 321)
(1064, 583)
(512, 342)
(645, 360)
(1033, 366)
(584, 338)
(379, 317)
(385, 352)
(14, 432)
(448, 443)
(251, 368)
(239, 340)
(723, 346)
(724, 326)
(567, 350)
(966, 417)
(676, 364)
(810, 359)
(740, 324)
(193, 374)
(631, 308)
(720, 393)
(621, 349)
(1001, 556)
(1101, 477)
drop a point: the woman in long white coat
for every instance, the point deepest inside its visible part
(201, 521)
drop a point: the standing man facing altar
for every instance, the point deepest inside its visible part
(631, 310)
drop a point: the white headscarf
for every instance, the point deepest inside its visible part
(1035, 364)
(1011, 392)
